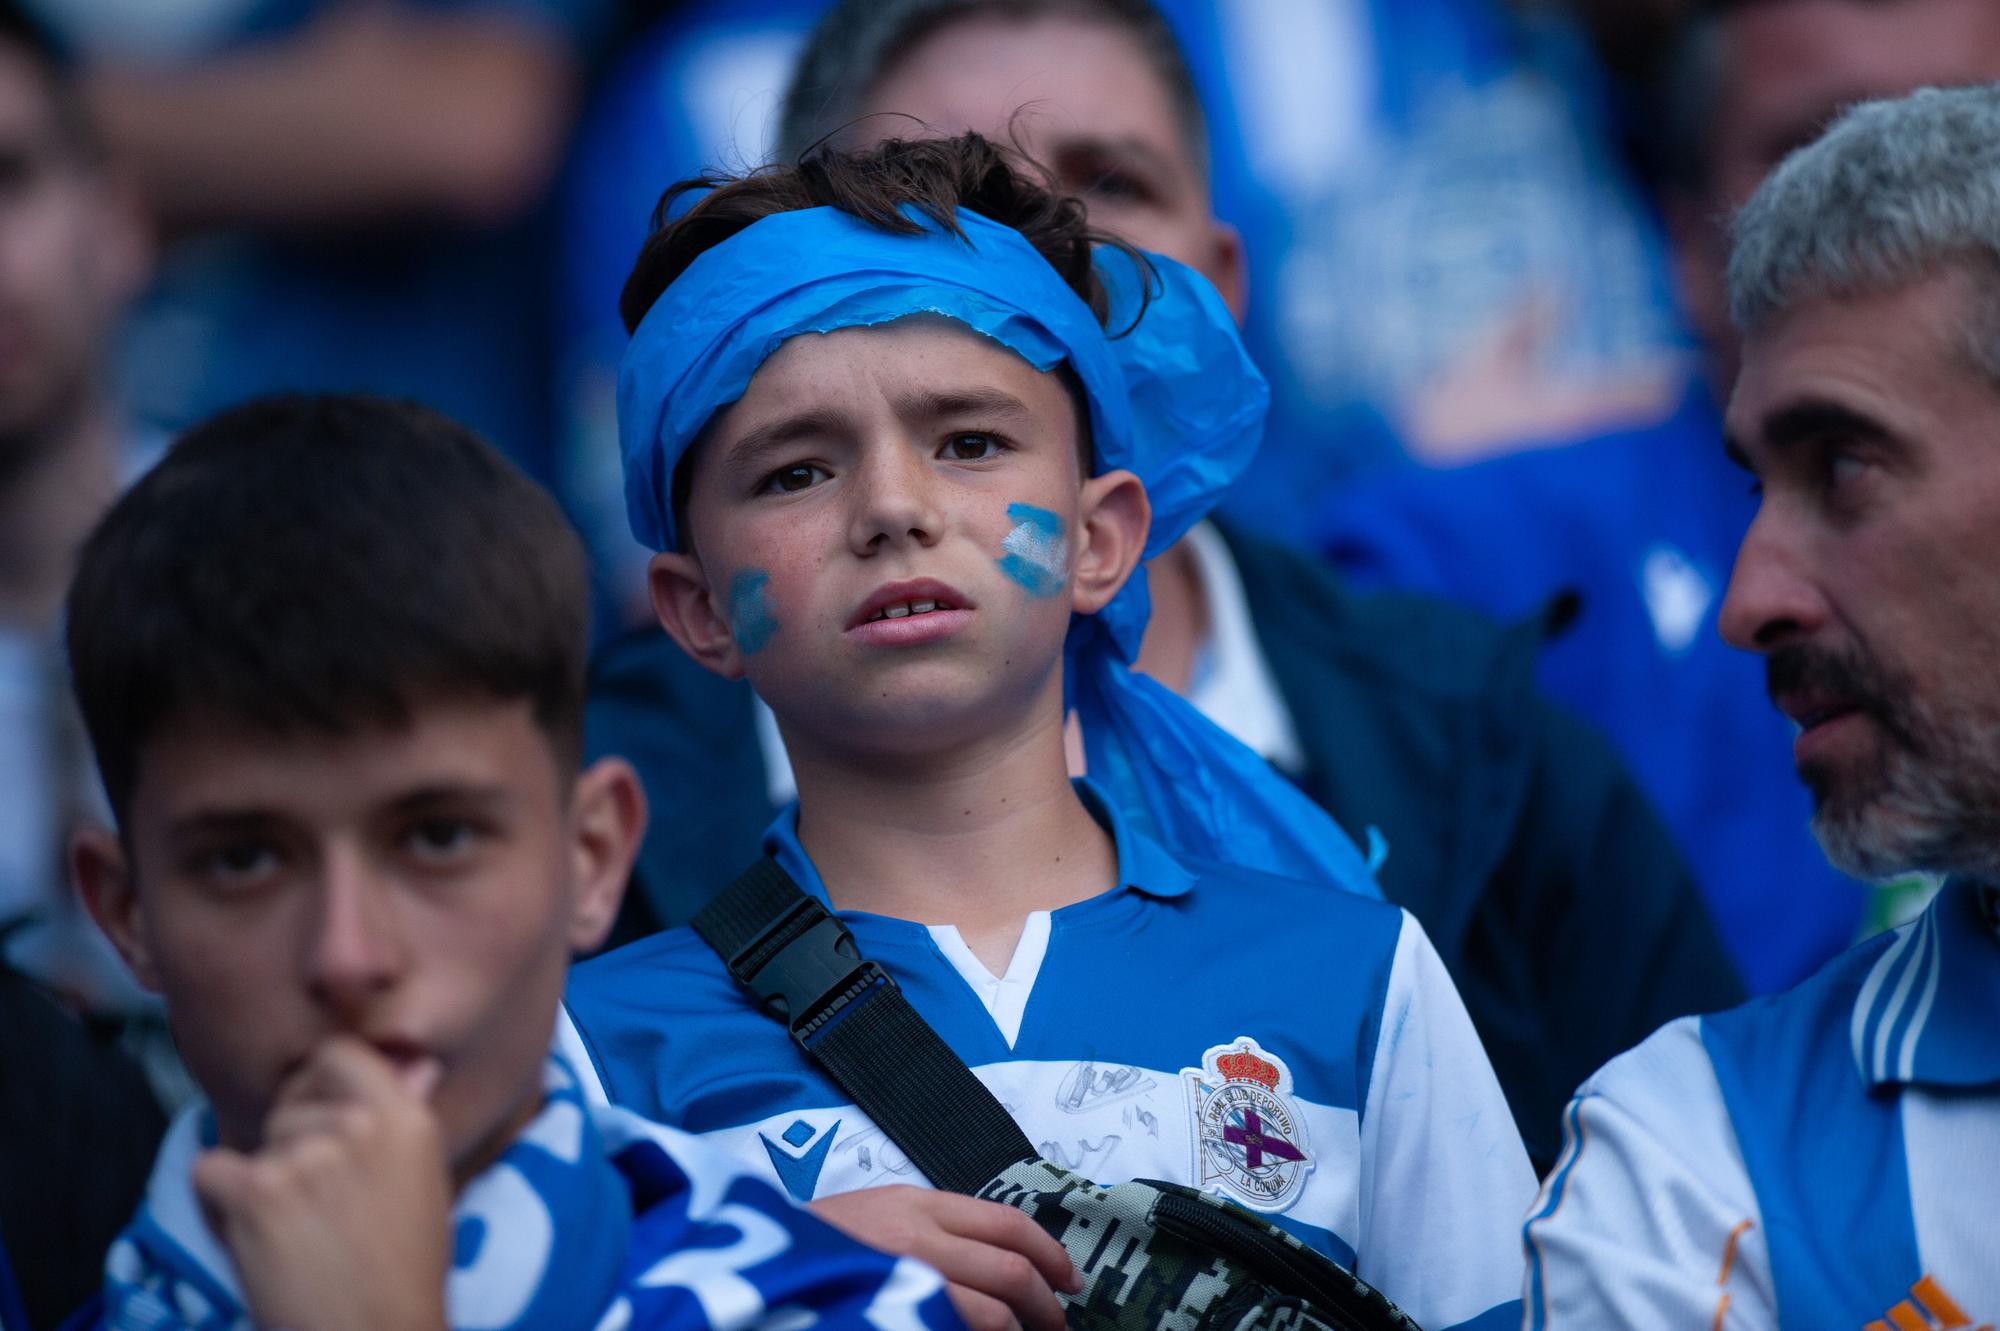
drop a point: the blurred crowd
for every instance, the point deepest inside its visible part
(1476, 247)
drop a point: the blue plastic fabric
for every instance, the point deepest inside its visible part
(1174, 399)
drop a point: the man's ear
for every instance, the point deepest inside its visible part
(1225, 268)
(103, 876)
(125, 241)
(608, 819)
(686, 610)
(1112, 521)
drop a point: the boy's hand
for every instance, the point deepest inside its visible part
(1002, 1267)
(342, 1221)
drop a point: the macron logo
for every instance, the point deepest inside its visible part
(800, 1160)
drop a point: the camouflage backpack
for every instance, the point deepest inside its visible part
(1154, 1256)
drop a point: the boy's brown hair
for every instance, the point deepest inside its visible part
(325, 562)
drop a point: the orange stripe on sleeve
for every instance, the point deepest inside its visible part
(1728, 1263)
(1905, 1317)
(1939, 1304)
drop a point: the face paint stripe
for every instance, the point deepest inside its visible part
(751, 622)
(1037, 555)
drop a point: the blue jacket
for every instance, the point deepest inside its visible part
(1542, 877)
(1641, 527)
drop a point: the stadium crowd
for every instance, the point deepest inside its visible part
(691, 662)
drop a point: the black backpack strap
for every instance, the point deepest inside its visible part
(850, 1017)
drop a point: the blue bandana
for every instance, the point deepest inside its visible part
(1175, 400)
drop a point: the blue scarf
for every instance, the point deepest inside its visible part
(540, 1236)
(592, 1218)
(1175, 400)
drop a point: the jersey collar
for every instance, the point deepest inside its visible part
(1926, 1011)
(1144, 865)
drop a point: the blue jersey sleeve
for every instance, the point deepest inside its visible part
(716, 1249)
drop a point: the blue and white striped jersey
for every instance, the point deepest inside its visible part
(1296, 1049)
(1823, 1158)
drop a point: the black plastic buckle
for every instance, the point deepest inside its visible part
(814, 975)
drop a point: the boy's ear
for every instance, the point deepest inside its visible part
(682, 604)
(103, 876)
(1112, 521)
(609, 819)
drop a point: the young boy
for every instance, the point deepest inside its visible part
(330, 653)
(915, 532)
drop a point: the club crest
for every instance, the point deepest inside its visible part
(1248, 1136)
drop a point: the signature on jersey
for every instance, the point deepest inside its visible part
(1088, 1085)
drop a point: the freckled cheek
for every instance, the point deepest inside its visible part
(792, 555)
(794, 596)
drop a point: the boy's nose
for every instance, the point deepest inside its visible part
(895, 500)
(356, 950)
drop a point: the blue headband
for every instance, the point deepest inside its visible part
(1175, 400)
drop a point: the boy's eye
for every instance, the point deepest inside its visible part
(440, 838)
(237, 863)
(971, 447)
(792, 479)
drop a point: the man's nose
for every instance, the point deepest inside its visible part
(895, 498)
(356, 950)
(1772, 596)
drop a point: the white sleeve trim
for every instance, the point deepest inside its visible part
(1648, 1219)
(1444, 1178)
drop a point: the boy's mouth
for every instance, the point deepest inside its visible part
(905, 600)
(910, 608)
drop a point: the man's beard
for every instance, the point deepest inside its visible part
(1931, 802)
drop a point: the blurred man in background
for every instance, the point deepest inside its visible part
(1644, 524)
(352, 189)
(74, 250)
(77, 1122)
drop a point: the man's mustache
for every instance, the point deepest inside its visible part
(1853, 677)
(1815, 671)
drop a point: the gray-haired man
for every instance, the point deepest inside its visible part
(1830, 1157)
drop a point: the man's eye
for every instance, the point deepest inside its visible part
(1844, 469)
(972, 447)
(792, 479)
(441, 838)
(1121, 186)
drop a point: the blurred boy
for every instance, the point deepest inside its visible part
(330, 655)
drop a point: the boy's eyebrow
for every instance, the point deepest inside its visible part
(203, 822)
(251, 818)
(933, 404)
(924, 405)
(786, 430)
(450, 792)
